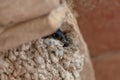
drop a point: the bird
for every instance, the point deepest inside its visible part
(60, 36)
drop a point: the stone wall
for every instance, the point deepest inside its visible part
(99, 22)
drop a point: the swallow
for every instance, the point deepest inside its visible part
(60, 36)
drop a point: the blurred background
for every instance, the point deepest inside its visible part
(99, 22)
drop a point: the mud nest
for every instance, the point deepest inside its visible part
(45, 58)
